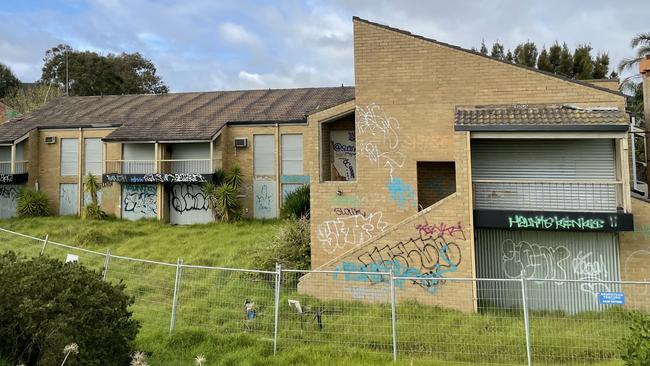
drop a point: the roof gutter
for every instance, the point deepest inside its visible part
(544, 128)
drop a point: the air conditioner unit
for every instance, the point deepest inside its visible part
(241, 142)
(50, 139)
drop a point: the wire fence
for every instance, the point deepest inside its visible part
(510, 322)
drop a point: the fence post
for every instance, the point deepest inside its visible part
(177, 285)
(278, 277)
(107, 259)
(524, 303)
(47, 236)
(393, 313)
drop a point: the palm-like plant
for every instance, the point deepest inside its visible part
(222, 194)
(92, 186)
(642, 44)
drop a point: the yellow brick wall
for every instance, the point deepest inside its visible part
(406, 92)
(634, 254)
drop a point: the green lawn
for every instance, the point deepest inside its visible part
(210, 322)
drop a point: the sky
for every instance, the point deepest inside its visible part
(200, 45)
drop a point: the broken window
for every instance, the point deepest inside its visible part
(338, 150)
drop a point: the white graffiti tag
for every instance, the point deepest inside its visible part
(588, 269)
(534, 261)
(380, 140)
(349, 230)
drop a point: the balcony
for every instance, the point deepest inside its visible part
(556, 195)
(13, 173)
(160, 171)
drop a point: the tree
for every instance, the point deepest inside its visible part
(526, 54)
(9, 83)
(92, 210)
(47, 304)
(642, 44)
(509, 57)
(544, 62)
(566, 62)
(554, 53)
(484, 49)
(583, 64)
(498, 51)
(221, 194)
(25, 100)
(92, 74)
(601, 67)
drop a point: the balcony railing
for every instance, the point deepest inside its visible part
(172, 166)
(556, 195)
(20, 167)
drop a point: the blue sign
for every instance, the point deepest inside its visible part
(611, 298)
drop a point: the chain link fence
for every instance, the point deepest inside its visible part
(512, 321)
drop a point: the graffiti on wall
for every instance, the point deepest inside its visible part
(401, 193)
(554, 222)
(344, 201)
(554, 263)
(441, 230)
(426, 259)
(186, 197)
(344, 151)
(348, 211)
(380, 142)
(264, 199)
(6, 178)
(8, 192)
(8, 200)
(140, 200)
(349, 231)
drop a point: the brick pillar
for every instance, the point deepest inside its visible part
(644, 69)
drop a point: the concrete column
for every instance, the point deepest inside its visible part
(644, 69)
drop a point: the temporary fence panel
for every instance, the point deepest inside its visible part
(319, 315)
(494, 336)
(226, 300)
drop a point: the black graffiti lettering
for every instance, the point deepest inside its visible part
(140, 199)
(6, 178)
(8, 192)
(186, 197)
(349, 211)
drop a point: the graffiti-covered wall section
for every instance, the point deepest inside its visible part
(429, 246)
(635, 252)
(8, 200)
(139, 201)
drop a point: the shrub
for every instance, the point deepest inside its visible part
(93, 210)
(222, 194)
(635, 346)
(290, 247)
(32, 204)
(297, 203)
(47, 304)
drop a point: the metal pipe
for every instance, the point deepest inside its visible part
(524, 304)
(278, 277)
(393, 314)
(47, 236)
(177, 281)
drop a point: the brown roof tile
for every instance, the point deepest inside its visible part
(539, 118)
(177, 116)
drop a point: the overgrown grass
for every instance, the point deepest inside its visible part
(210, 313)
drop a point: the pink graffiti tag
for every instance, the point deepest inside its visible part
(441, 230)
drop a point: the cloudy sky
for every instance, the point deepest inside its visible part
(213, 45)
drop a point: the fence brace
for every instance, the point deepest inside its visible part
(524, 303)
(278, 277)
(177, 285)
(107, 259)
(393, 313)
(47, 236)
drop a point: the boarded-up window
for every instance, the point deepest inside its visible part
(264, 154)
(69, 157)
(93, 156)
(292, 154)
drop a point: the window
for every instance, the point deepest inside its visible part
(292, 154)
(338, 150)
(264, 154)
(69, 157)
(436, 180)
(93, 156)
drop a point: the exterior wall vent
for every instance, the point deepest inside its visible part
(241, 142)
(50, 139)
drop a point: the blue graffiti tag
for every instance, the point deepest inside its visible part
(401, 193)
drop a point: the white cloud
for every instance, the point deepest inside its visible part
(237, 35)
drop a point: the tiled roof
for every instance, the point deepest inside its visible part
(539, 118)
(177, 116)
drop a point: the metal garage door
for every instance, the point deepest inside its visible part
(188, 205)
(551, 256)
(555, 175)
